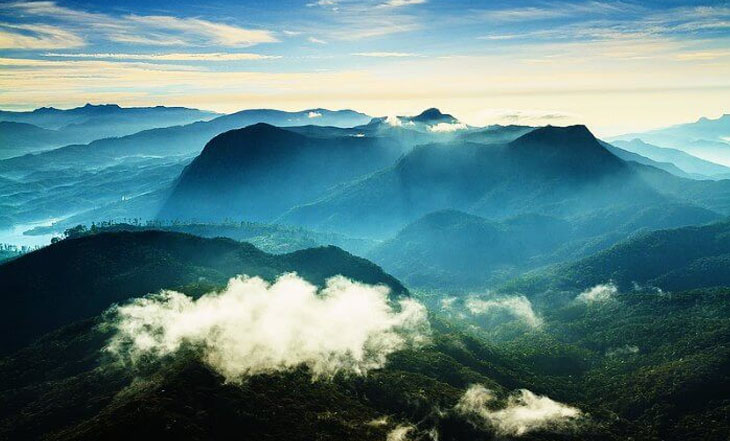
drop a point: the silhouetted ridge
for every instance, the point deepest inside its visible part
(431, 115)
(577, 135)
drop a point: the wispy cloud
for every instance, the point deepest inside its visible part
(154, 30)
(400, 3)
(214, 56)
(386, 54)
(316, 40)
(37, 36)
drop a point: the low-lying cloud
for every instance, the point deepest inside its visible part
(518, 306)
(525, 411)
(254, 327)
(447, 127)
(598, 294)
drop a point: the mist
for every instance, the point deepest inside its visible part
(253, 327)
(524, 411)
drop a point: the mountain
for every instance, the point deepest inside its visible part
(705, 138)
(20, 138)
(456, 251)
(686, 162)
(672, 260)
(554, 171)
(92, 272)
(186, 139)
(579, 371)
(432, 116)
(258, 172)
(90, 122)
(668, 167)
(452, 249)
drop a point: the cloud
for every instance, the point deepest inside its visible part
(400, 3)
(598, 294)
(316, 40)
(400, 433)
(37, 36)
(323, 3)
(385, 54)
(447, 127)
(623, 350)
(518, 306)
(314, 114)
(393, 121)
(156, 30)
(253, 327)
(215, 56)
(525, 412)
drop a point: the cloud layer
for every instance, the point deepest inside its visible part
(524, 412)
(254, 327)
(598, 294)
(518, 306)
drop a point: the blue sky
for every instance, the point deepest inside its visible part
(615, 65)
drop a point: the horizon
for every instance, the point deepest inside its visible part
(301, 110)
(615, 66)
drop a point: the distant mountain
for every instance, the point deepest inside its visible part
(551, 170)
(452, 250)
(668, 167)
(432, 116)
(17, 139)
(91, 122)
(459, 251)
(258, 172)
(78, 278)
(706, 138)
(187, 139)
(674, 260)
(686, 162)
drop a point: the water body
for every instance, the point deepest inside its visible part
(15, 236)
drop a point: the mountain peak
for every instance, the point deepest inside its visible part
(569, 135)
(433, 115)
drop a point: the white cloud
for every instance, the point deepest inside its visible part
(393, 121)
(400, 3)
(598, 294)
(519, 306)
(215, 56)
(316, 40)
(37, 36)
(524, 412)
(447, 127)
(385, 54)
(400, 433)
(323, 3)
(254, 327)
(157, 30)
(447, 303)
(313, 114)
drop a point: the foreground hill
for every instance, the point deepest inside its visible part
(258, 172)
(78, 278)
(643, 365)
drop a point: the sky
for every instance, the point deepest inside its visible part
(617, 66)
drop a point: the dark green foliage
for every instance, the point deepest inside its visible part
(78, 278)
(679, 259)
